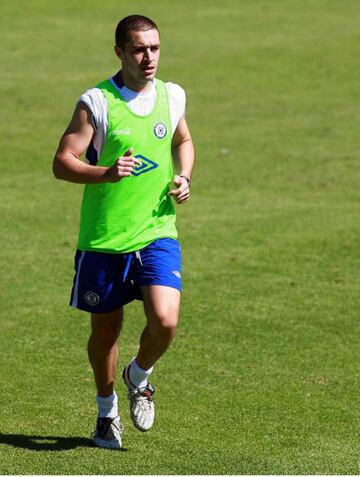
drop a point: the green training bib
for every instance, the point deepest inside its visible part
(129, 214)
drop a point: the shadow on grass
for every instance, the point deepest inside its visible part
(46, 443)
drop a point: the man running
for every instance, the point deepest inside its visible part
(131, 127)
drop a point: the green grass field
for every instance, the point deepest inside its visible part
(264, 374)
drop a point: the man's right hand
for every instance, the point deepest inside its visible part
(67, 164)
(122, 167)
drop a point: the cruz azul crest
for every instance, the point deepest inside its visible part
(160, 130)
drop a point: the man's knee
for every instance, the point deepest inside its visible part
(164, 324)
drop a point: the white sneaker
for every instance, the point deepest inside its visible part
(108, 433)
(142, 410)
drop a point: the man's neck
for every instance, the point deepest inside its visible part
(121, 80)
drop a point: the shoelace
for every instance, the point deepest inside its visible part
(143, 393)
(107, 426)
(144, 403)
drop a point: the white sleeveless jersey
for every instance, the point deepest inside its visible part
(140, 103)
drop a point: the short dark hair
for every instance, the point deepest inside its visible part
(132, 23)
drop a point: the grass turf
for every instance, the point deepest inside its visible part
(263, 377)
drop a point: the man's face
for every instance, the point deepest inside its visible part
(140, 56)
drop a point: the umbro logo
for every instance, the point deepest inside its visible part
(146, 165)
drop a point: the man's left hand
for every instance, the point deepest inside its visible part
(182, 192)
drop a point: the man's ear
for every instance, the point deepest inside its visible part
(118, 52)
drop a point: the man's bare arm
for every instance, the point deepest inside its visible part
(184, 156)
(67, 164)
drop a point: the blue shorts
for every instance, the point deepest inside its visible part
(104, 282)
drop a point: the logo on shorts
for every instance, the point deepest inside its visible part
(160, 130)
(91, 298)
(177, 274)
(146, 165)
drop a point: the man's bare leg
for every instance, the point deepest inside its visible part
(161, 305)
(103, 355)
(103, 349)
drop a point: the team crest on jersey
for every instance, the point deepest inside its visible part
(160, 130)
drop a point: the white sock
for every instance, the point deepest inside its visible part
(108, 406)
(139, 376)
